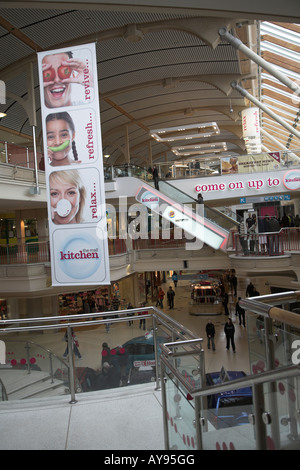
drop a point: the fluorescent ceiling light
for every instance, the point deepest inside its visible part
(193, 131)
(199, 149)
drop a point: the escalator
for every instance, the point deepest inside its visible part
(207, 225)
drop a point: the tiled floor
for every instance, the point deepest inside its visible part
(123, 418)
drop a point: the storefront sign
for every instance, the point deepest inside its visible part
(291, 180)
(74, 166)
(255, 184)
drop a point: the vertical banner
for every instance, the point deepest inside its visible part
(251, 130)
(74, 166)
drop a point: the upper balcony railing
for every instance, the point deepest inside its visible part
(217, 166)
(259, 244)
(20, 156)
(200, 410)
(268, 243)
(39, 252)
(211, 166)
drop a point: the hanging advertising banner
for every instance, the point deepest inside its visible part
(251, 130)
(74, 166)
(250, 164)
(250, 122)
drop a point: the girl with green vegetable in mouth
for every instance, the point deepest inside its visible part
(60, 131)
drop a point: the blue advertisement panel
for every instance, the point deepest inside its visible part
(74, 166)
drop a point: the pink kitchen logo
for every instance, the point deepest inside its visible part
(291, 180)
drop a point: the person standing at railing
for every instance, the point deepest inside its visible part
(251, 232)
(285, 221)
(273, 242)
(242, 237)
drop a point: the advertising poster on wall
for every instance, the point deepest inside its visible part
(74, 166)
(250, 163)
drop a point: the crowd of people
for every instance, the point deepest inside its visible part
(113, 370)
(259, 234)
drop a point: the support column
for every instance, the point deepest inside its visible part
(42, 224)
(150, 153)
(127, 149)
(20, 227)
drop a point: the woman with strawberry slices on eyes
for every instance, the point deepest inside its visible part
(60, 71)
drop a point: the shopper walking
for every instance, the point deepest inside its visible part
(170, 296)
(225, 303)
(210, 332)
(200, 199)
(175, 278)
(250, 291)
(229, 332)
(155, 177)
(75, 345)
(240, 312)
(160, 298)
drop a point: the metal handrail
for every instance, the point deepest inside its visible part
(159, 313)
(48, 351)
(65, 322)
(258, 306)
(198, 396)
(4, 395)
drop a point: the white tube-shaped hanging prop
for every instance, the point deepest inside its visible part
(264, 108)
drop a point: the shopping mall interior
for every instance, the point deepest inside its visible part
(176, 133)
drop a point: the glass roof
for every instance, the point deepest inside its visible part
(280, 46)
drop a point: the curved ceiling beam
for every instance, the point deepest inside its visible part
(205, 29)
(220, 109)
(222, 82)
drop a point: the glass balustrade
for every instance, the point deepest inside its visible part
(281, 415)
(180, 418)
(79, 353)
(40, 361)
